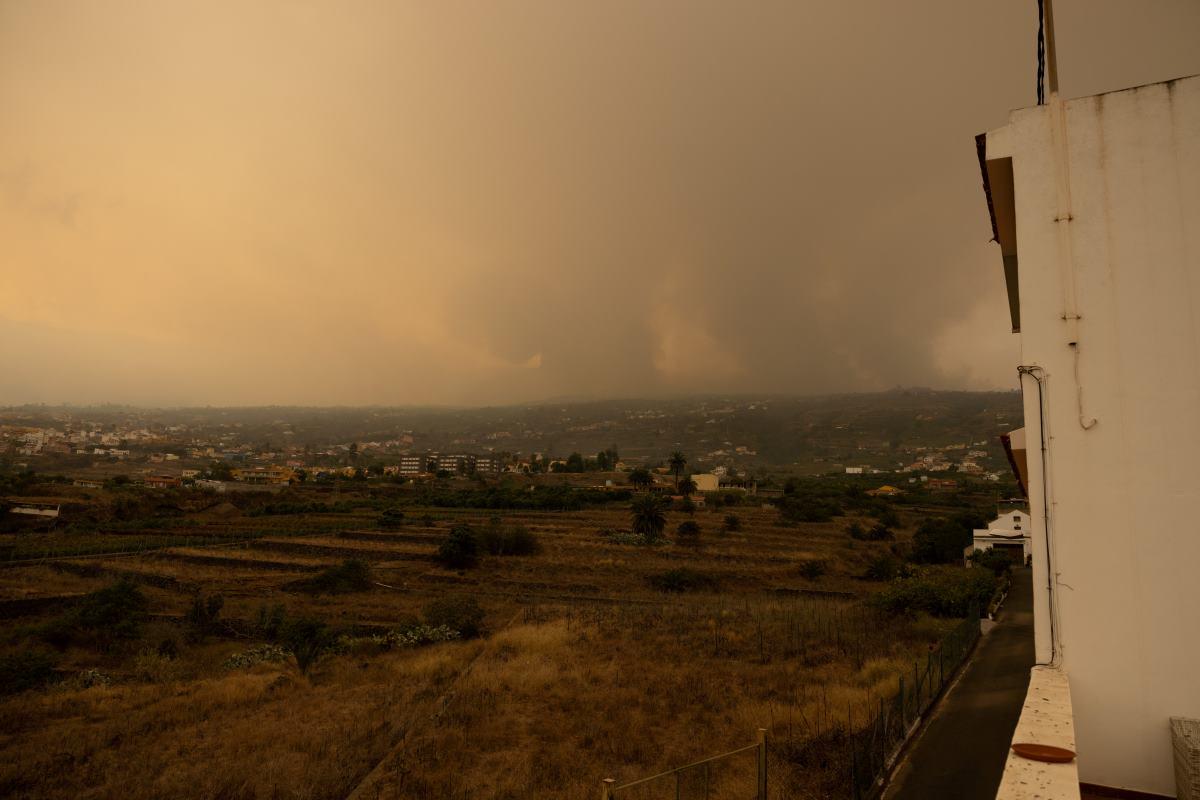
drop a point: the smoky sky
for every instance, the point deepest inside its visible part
(477, 203)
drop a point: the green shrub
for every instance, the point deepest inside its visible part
(886, 515)
(414, 636)
(391, 518)
(682, 580)
(883, 567)
(688, 530)
(270, 620)
(515, 540)
(25, 669)
(460, 549)
(997, 561)
(461, 614)
(352, 575)
(269, 653)
(732, 523)
(877, 533)
(308, 639)
(813, 569)
(942, 592)
(104, 616)
(202, 617)
(942, 540)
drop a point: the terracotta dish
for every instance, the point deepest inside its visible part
(1044, 752)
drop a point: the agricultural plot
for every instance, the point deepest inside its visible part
(530, 675)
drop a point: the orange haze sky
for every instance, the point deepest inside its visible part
(473, 203)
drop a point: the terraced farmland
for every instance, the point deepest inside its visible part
(586, 667)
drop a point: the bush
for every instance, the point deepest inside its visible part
(942, 541)
(883, 567)
(998, 562)
(202, 616)
(689, 530)
(25, 669)
(308, 639)
(516, 540)
(352, 575)
(460, 549)
(813, 569)
(947, 592)
(461, 614)
(807, 509)
(106, 616)
(270, 620)
(886, 515)
(682, 580)
(270, 653)
(391, 518)
(415, 636)
(732, 523)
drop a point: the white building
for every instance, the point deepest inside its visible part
(706, 482)
(1009, 531)
(1096, 205)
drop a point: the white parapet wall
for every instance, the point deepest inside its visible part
(1045, 719)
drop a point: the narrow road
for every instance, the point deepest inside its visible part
(960, 754)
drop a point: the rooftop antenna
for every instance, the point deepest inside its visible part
(1047, 51)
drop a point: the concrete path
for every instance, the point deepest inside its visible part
(961, 751)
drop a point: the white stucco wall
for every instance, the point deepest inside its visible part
(1123, 496)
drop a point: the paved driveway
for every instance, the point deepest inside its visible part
(960, 754)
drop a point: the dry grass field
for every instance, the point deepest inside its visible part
(586, 668)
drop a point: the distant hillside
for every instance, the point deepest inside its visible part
(810, 434)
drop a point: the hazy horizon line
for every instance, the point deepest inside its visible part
(571, 400)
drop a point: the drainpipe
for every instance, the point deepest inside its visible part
(1039, 375)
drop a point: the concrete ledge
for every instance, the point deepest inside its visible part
(1046, 718)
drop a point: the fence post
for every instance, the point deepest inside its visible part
(854, 769)
(606, 789)
(916, 692)
(762, 764)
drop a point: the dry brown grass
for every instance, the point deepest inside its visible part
(600, 675)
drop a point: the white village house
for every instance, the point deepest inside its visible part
(1008, 532)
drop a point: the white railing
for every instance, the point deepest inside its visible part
(1046, 718)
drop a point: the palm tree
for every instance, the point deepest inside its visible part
(649, 516)
(687, 486)
(677, 462)
(640, 478)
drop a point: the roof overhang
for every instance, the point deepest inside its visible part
(1014, 448)
(996, 168)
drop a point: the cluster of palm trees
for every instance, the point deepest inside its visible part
(640, 478)
(650, 510)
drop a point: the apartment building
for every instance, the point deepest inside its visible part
(1095, 203)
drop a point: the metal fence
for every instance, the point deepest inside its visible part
(872, 747)
(737, 775)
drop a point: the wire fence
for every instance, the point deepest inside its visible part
(873, 747)
(736, 775)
